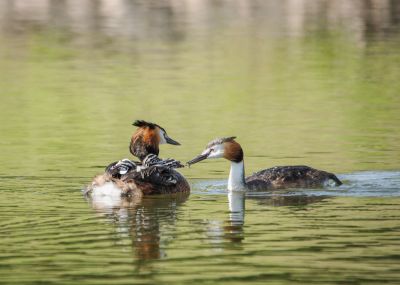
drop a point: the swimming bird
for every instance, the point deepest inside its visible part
(268, 179)
(151, 175)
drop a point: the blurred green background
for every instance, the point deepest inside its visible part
(297, 82)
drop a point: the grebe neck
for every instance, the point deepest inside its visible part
(236, 176)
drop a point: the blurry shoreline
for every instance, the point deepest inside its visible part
(177, 20)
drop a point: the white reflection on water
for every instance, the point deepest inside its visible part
(142, 219)
(236, 207)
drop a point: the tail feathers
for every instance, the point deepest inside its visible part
(334, 178)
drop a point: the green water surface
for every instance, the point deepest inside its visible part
(298, 82)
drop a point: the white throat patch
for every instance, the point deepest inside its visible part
(161, 133)
(216, 151)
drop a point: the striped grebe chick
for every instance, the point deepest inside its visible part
(277, 177)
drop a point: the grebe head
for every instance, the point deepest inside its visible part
(147, 139)
(227, 148)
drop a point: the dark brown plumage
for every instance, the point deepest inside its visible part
(299, 176)
(233, 151)
(161, 181)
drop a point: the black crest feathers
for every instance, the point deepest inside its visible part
(143, 124)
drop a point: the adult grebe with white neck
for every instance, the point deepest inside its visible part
(277, 177)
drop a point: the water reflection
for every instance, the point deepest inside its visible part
(142, 219)
(233, 229)
(175, 22)
(290, 200)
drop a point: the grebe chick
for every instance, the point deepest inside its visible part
(277, 177)
(151, 175)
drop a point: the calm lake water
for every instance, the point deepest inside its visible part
(298, 82)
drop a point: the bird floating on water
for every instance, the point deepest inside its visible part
(277, 177)
(151, 175)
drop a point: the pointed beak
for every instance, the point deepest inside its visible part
(198, 159)
(171, 141)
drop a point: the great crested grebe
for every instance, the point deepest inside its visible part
(272, 178)
(151, 175)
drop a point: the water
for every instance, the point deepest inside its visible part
(297, 82)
